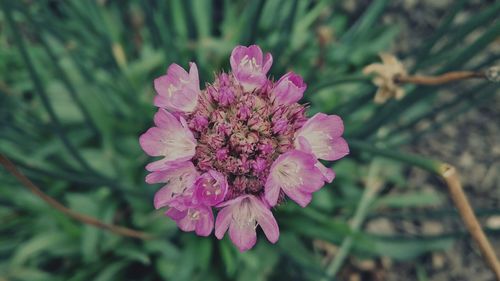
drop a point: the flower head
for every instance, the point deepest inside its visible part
(238, 147)
(385, 74)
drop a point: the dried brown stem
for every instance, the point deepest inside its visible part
(451, 177)
(120, 230)
(440, 79)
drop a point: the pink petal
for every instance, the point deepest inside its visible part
(171, 170)
(166, 120)
(271, 193)
(340, 148)
(205, 224)
(267, 63)
(186, 224)
(323, 134)
(243, 236)
(175, 214)
(222, 222)
(266, 220)
(328, 174)
(159, 165)
(302, 198)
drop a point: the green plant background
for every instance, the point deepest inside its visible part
(76, 92)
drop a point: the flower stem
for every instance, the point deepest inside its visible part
(440, 79)
(370, 193)
(451, 177)
(120, 230)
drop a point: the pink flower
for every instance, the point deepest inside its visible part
(289, 89)
(180, 178)
(323, 133)
(296, 174)
(178, 90)
(250, 67)
(196, 218)
(236, 148)
(241, 216)
(171, 139)
(210, 188)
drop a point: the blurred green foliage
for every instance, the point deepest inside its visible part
(76, 92)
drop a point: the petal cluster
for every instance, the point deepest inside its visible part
(237, 148)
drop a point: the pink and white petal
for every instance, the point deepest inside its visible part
(271, 192)
(162, 197)
(193, 75)
(339, 149)
(302, 144)
(266, 220)
(176, 145)
(171, 169)
(205, 224)
(254, 51)
(232, 202)
(222, 222)
(165, 119)
(175, 214)
(243, 236)
(161, 164)
(187, 224)
(267, 63)
(161, 85)
(302, 198)
(152, 141)
(184, 100)
(161, 101)
(176, 72)
(328, 173)
(236, 56)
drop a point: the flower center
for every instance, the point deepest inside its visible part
(243, 135)
(249, 63)
(193, 214)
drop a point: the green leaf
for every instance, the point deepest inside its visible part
(408, 200)
(37, 245)
(133, 254)
(111, 272)
(405, 250)
(28, 274)
(228, 256)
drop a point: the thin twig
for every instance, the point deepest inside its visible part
(451, 177)
(124, 231)
(440, 79)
